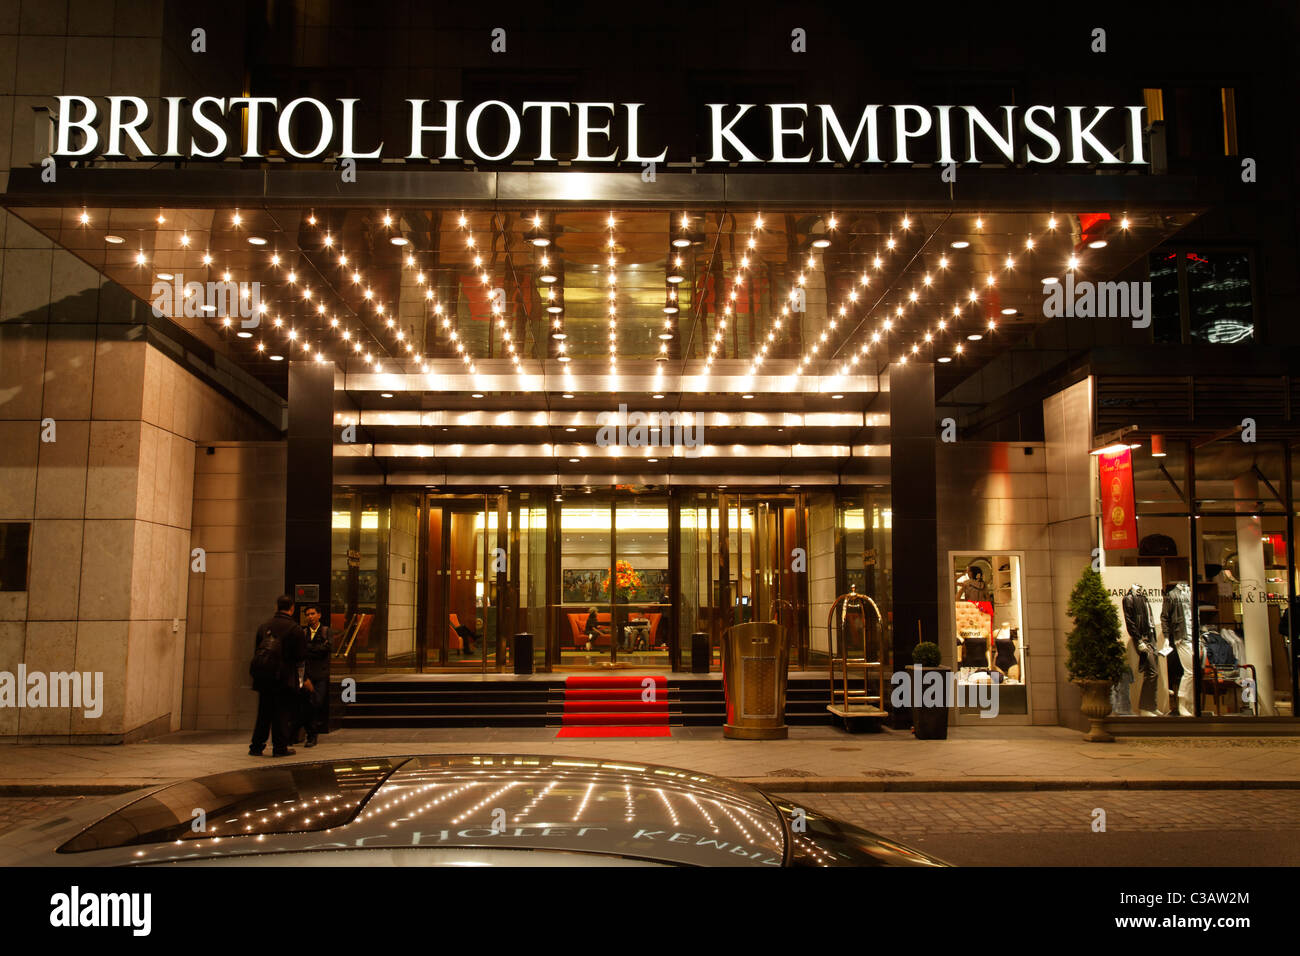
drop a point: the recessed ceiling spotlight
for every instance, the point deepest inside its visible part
(1097, 244)
(399, 240)
(257, 240)
(960, 244)
(115, 240)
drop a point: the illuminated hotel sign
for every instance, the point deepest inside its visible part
(494, 131)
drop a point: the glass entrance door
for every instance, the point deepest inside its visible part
(466, 593)
(744, 558)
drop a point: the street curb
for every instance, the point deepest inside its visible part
(779, 785)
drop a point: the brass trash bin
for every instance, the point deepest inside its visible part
(755, 671)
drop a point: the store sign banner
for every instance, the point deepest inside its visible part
(306, 128)
(1118, 520)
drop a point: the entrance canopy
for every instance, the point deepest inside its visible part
(478, 342)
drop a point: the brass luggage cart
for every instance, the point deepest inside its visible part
(856, 632)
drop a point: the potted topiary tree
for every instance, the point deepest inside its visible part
(1096, 656)
(930, 718)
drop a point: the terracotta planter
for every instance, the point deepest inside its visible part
(1096, 705)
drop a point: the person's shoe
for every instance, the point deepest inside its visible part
(283, 753)
(254, 753)
(311, 742)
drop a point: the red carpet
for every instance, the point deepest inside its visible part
(615, 706)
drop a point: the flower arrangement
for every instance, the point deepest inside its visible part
(625, 578)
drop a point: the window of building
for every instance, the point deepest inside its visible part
(1202, 296)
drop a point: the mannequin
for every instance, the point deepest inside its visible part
(972, 586)
(1005, 645)
(1141, 627)
(1177, 621)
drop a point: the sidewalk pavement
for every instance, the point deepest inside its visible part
(819, 759)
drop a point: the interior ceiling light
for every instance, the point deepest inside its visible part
(1051, 280)
(960, 244)
(821, 242)
(244, 335)
(399, 240)
(974, 337)
(1097, 244)
(257, 240)
(115, 240)
(944, 359)
(277, 358)
(1008, 311)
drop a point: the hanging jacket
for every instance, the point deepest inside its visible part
(1217, 651)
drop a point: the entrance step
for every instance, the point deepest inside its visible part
(543, 702)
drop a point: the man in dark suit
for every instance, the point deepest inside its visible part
(316, 682)
(277, 696)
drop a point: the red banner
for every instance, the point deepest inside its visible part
(1118, 520)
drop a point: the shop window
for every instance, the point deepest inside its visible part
(988, 603)
(14, 539)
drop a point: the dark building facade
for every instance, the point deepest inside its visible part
(464, 324)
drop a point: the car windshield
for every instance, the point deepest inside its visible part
(293, 799)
